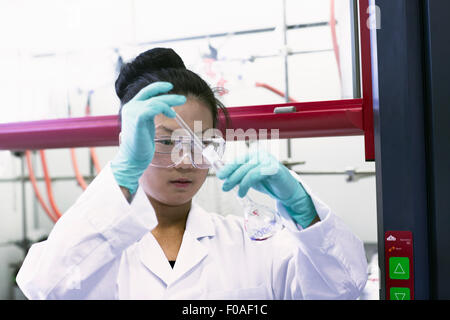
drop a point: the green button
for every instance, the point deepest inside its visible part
(400, 294)
(399, 268)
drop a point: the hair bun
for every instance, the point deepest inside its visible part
(158, 59)
(150, 61)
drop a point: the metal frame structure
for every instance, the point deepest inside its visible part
(412, 121)
(403, 114)
(437, 115)
(399, 134)
(376, 80)
(310, 119)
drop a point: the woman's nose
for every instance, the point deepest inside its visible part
(185, 163)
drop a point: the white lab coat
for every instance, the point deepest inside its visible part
(102, 248)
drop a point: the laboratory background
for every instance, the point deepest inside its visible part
(59, 60)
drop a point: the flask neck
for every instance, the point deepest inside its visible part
(218, 165)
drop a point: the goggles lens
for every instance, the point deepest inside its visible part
(170, 151)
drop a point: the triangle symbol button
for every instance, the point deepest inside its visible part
(400, 295)
(399, 269)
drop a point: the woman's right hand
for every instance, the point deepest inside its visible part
(137, 145)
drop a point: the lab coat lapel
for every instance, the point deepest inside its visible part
(191, 253)
(149, 250)
(192, 250)
(153, 257)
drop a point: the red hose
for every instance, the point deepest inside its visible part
(94, 157)
(334, 36)
(49, 213)
(48, 185)
(92, 152)
(335, 48)
(274, 90)
(78, 175)
(54, 216)
(73, 157)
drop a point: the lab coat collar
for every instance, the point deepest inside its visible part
(199, 224)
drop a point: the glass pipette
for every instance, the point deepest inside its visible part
(260, 222)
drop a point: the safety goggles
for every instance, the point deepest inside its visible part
(171, 151)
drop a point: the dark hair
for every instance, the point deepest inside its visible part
(164, 64)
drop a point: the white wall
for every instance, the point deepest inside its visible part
(83, 34)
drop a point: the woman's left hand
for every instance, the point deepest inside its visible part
(261, 171)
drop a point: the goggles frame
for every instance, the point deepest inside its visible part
(186, 145)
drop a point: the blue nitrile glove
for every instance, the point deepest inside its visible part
(261, 171)
(137, 145)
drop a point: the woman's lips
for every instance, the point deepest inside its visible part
(181, 183)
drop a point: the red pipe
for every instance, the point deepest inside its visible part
(104, 130)
(60, 133)
(366, 73)
(310, 119)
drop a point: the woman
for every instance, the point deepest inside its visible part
(135, 233)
